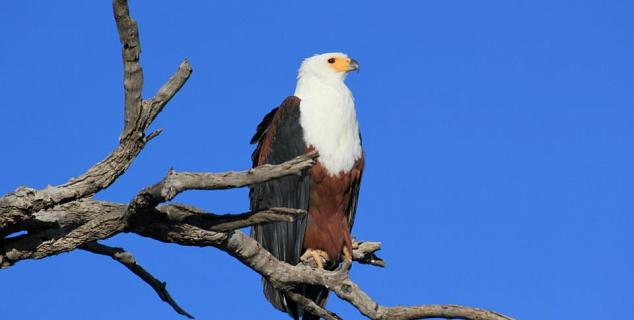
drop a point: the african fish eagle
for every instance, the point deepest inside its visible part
(319, 116)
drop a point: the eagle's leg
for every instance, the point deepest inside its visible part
(347, 250)
(319, 256)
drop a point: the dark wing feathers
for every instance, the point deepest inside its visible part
(280, 138)
(356, 184)
(263, 126)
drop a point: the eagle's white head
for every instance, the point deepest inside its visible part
(328, 66)
(327, 113)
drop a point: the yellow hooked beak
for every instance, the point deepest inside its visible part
(343, 64)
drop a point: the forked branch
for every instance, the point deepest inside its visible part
(17, 207)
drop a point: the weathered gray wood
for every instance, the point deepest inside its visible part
(177, 182)
(132, 71)
(69, 226)
(365, 252)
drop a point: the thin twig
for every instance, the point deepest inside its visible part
(155, 105)
(227, 222)
(126, 259)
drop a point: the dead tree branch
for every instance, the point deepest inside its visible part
(365, 252)
(177, 182)
(63, 218)
(132, 71)
(127, 260)
(227, 222)
(81, 222)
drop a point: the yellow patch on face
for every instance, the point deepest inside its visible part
(340, 64)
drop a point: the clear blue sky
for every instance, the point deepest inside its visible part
(498, 139)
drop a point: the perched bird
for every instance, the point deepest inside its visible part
(319, 116)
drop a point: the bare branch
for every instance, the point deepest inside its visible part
(126, 259)
(177, 182)
(350, 291)
(49, 242)
(227, 222)
(442, 311)
(72, 225)
(132, 71)
(284, 276)
(364, 252)
(155, 104)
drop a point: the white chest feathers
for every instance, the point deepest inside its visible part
(329, 121)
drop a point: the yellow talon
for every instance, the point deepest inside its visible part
(319, 256)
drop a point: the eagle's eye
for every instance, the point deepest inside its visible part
(331, 60)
